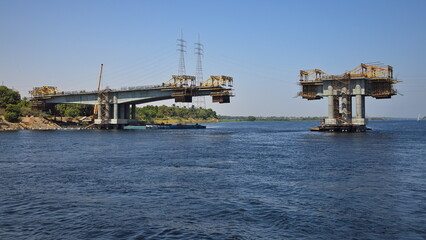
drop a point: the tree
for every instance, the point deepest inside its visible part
(25, 108)
(11, 116)
(74, 110)
(12, 112)
(149, 113)
(8, 96)
(251, 118)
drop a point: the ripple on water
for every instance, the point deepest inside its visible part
(261, 180)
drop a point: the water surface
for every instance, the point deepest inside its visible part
(247, 180)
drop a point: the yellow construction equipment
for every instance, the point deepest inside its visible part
(218, 81)
(362, 71)
(95, 109)
(379, 81)
(180, 81)
(312, 75)
(371, 71)
(43, 91)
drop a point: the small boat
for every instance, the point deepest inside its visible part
(134, 127)
(167, 126)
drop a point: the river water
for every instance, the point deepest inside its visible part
(246, 180)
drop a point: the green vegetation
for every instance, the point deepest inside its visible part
(173, 114)
(12, 113)
(10, 99)
(73, 110)
(8, 96)
(23, 108)
(14, 106)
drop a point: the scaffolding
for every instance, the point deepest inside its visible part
(218, 81)
(104, 106)
(180, 81)
(364, 80)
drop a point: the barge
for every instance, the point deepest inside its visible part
(167, 126)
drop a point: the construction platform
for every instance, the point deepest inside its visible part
(341, 128)
(365, 80)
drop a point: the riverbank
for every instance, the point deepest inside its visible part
(184, 120)
(66, 123)
(28, 123)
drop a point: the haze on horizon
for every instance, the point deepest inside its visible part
(262, 44)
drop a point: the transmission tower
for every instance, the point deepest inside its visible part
(181, 48)
(181, 44)
(199, 52)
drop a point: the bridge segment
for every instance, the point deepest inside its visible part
(364, 80)
(118, 107)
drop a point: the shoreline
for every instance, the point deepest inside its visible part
(19, 127)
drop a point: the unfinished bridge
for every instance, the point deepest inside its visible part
(365, 80)
(118, 107)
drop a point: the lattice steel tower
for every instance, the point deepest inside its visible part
(181, 44)
(199, 52)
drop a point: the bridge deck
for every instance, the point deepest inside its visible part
(132, 95)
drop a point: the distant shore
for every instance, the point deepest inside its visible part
(282, 119)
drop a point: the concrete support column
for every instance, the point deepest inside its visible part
(358, 100)
(333, 110)
(350, 109)
(360, 110)
(122, 112)
(331, 107)
(115, 101)
(347, 108)
(107, 110)
(99, 111)
(99, 108)
(134, 111)
(336, 106)
(127, 110)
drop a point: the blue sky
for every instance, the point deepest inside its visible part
(262, 44)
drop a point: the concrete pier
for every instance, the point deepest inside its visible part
(347, 109)
(360, 110)
(365, 80)
(115, 100)
(333, 110)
